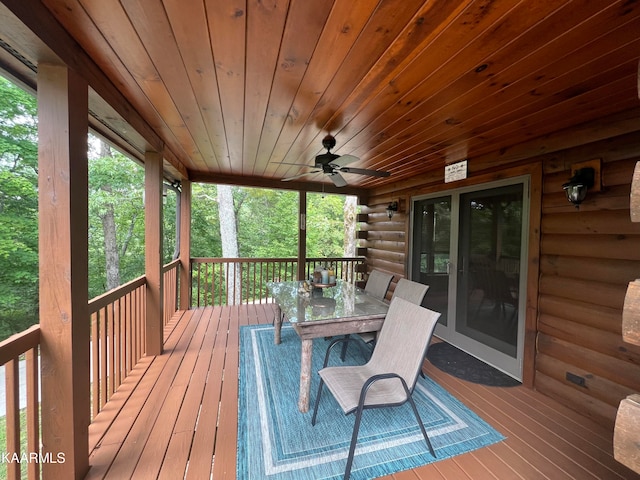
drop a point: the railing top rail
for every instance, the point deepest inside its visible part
(170, 265)
(256, 260)
(335, 259)
(19, 343)
(239, 260)
(109, 297)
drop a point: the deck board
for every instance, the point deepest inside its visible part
(175, 416)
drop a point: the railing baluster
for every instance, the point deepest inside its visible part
(116, 344)
(33, 409)
(95, 365)
(12, 390)
(103, 356)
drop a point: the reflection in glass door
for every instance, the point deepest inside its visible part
(468, 247)
(431, 259)
(489, 252)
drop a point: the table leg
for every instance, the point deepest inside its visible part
(277, 326)
(305, 375)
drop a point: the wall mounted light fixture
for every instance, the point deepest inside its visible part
(576, 188)
(392, 208)
(586, 176)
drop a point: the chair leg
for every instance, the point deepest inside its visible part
(424, 432)
(354, 439)
(315, 407)
(343, 354)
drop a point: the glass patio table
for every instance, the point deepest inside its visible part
(323, 312)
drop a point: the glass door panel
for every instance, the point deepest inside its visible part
(468, 247)
(431, 258)
(489, 252)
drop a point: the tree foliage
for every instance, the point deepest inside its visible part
(116, 185)
(18, 209)
(266, 220)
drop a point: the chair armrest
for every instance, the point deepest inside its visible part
(380, 376)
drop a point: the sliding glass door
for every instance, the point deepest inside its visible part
(469, 246)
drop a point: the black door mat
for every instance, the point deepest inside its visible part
(460, 364)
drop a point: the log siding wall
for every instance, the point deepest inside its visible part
(587, 257)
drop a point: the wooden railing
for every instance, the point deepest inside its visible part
(25, 344)
(117, 344)
(117, 338)
(171, 275)
(232, 281)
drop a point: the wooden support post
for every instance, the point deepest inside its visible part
(153, 252)
(185, 246)
(631, 314)
(63, 251)
(634, 198)
(302, 235)
(626, 435)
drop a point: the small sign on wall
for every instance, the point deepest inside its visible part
(455, 171)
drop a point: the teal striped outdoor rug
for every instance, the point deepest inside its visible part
(276, 441)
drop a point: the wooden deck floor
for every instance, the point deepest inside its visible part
(176, 417)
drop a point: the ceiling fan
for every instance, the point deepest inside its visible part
(332, 165)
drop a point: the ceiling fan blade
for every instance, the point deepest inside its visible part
(363, 171)
(296, 164)
(288, 179)
(338, 180)
(344, 160)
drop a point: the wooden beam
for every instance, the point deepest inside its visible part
(153, 252)
(259, 182)
(302, 235)
(63, 247)
(185, 245)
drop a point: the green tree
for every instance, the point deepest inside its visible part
(205, 230)
(325, 225)
(115, 194)
(267, 223)
(18, 209)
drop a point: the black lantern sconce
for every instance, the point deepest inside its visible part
(586, 176)
(391, 209)
(576, 188)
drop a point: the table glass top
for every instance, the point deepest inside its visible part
(341, 301)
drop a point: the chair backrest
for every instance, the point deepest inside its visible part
(403, 340)
(378, 284)
(411, 291)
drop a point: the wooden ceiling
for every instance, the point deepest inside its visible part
(238, 90)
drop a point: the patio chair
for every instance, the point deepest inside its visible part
(389, 377)
(377, 286)
(378, 283)
(412, 291)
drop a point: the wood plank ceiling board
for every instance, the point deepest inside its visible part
(426, 25)
(342, 28)
(247, 89)
(384, 27)
(452, 64)
(114, 44)
(263, 48)
(295, 55)
(227, 27)
(191, 31)
(149, 20)
(445, 122)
